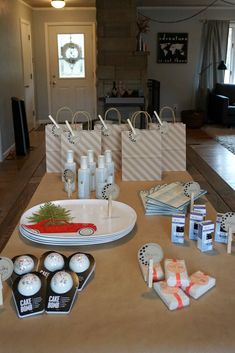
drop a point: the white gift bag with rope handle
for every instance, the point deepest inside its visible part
(53, 141)
(173, 142)
(111, 138)
(81, 141)
(141, 153)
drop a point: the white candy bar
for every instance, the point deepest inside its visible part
(199, 284)
(173, 297)
(176, 273)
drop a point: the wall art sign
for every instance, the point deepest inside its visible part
(172, 48)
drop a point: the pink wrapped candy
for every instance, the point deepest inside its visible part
(199, 284)
(176, 273)
(173, 297)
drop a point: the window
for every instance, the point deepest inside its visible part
(229, 76)
(71, 55)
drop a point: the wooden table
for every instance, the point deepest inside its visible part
(116, 312)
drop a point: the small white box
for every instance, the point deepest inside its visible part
(176, 273)
(200, 209)
(194, 219)
(173, 297)
(204, 238)
(177, 229)
(200, 283)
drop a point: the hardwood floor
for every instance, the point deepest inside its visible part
(213, 166)
(19, 177)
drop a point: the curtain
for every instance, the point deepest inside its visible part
(214, 49)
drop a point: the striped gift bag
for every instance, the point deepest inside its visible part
(173, 143)
(53, 140)
(83, 140)
(141, 154)
(111, 138)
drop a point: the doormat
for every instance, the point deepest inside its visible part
(227, 141)
(224, 136)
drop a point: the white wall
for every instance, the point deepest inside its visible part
(179, 81)
(11, 69)
(40, 18)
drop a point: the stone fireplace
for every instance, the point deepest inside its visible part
(118, 59)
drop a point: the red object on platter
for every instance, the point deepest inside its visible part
(60, 226)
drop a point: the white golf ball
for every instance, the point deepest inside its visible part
(23, 264)
(61, 282)
(54, 262)
(79, 263)
(29, 284)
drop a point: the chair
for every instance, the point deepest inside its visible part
(221, 105)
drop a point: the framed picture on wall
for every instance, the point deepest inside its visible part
(172, 48)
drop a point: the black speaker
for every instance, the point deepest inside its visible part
(153, 96)
(25, 124)
(21, 133)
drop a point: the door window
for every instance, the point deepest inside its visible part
(71, 55)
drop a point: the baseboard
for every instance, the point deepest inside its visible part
(43, 121)
(6, 153)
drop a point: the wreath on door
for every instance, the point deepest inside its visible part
(71, 53)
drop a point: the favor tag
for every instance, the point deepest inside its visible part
(173, 297)
(176, 273)
(83, 265)
(29, 294)
(61, 292)
(145, 254)
(50, 262)
(200, 283)
(23, 264)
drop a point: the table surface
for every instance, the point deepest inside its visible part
(116, 312)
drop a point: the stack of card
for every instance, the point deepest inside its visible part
(170, 199)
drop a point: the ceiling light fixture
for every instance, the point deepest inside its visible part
(58, 4)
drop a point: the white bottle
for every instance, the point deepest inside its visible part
(92, 167)
(110, 166)
(100, 176)
(71, 166)
(84, 179)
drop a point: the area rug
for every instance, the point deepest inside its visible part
(224, 136)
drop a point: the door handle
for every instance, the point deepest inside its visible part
(53, 83)
(26, 86)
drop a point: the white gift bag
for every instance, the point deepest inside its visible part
(53, 141)
(173, 143)
(141, 153)
(82, 141)
(111, 138)
(141, 114)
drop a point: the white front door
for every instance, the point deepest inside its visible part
(71, 68)
(28, 72)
